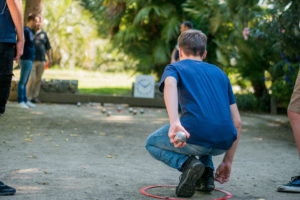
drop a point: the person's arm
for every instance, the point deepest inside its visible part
(48, 50)
(224, 169)
(16, 12)
(49, 55)
(173, 56)
(171, 101)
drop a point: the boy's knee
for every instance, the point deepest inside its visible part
(147, 144)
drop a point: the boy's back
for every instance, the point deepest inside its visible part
(205, 96)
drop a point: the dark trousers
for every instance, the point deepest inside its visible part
(7, 53)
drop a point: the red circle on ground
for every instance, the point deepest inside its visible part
(143, 191)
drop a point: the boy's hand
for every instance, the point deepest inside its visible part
(175, 127)
(223, 172)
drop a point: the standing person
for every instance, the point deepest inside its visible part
(294, 117)
(175, 53)
(11, 48)
(210, 118)
(42, 47)
(26, 61)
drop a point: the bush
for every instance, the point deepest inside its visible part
(246, 102)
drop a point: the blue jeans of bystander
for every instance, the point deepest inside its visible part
(26, 67)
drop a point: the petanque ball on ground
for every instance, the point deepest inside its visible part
(130, 109)
(142, 111)
(134, 112)
(103, 110)
(78, 104)
(108, 113)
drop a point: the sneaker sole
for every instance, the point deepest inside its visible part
(288, 189)
(7, 193)
(208, 189)
(187, 187)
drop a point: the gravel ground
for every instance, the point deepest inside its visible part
(68, 152)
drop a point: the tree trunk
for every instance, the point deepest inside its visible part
(259, 87)
(273, 105)
(34, 7)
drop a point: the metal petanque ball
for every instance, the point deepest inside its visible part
(103, 110)
(108, 113)
(78, 104)
(130, 109)
(142, 111)
(134, 112)
(180, 137)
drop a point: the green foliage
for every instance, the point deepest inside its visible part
(75, 41)
(246, 102)
(145, 30)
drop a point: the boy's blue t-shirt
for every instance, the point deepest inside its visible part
(205, 96)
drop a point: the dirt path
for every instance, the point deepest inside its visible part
(67, 152)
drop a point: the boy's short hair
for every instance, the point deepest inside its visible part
(188, 24)
(31, 17)
(192, 42)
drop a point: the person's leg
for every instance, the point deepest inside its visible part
(28, 72)
(7, 52)
(207, 161)
(294, 117)
(26, 66)
(39, 73)
(32, 80)
(159, 146)
(206, 182)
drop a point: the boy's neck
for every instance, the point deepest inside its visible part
(191, 58)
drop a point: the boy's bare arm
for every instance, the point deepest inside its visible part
(16, 12)
(171, 101)
(224, 170)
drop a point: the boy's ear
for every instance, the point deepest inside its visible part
(204, 55)
(180, 53)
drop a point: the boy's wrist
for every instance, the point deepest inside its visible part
(174, 121)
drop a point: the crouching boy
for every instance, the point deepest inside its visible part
(210, 118)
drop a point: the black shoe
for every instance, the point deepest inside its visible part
(191, 172)
(35, 100)
(6, 190)
(206, 182)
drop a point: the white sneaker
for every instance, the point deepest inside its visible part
(23, 105)
(30, 105)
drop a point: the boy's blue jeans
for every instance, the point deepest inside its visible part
(26, 67)
(159, 146)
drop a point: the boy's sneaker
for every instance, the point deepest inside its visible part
(192, 170)
(23, 105)
(206, 182)
(30, 105)
(6, 190)
(292, 186)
